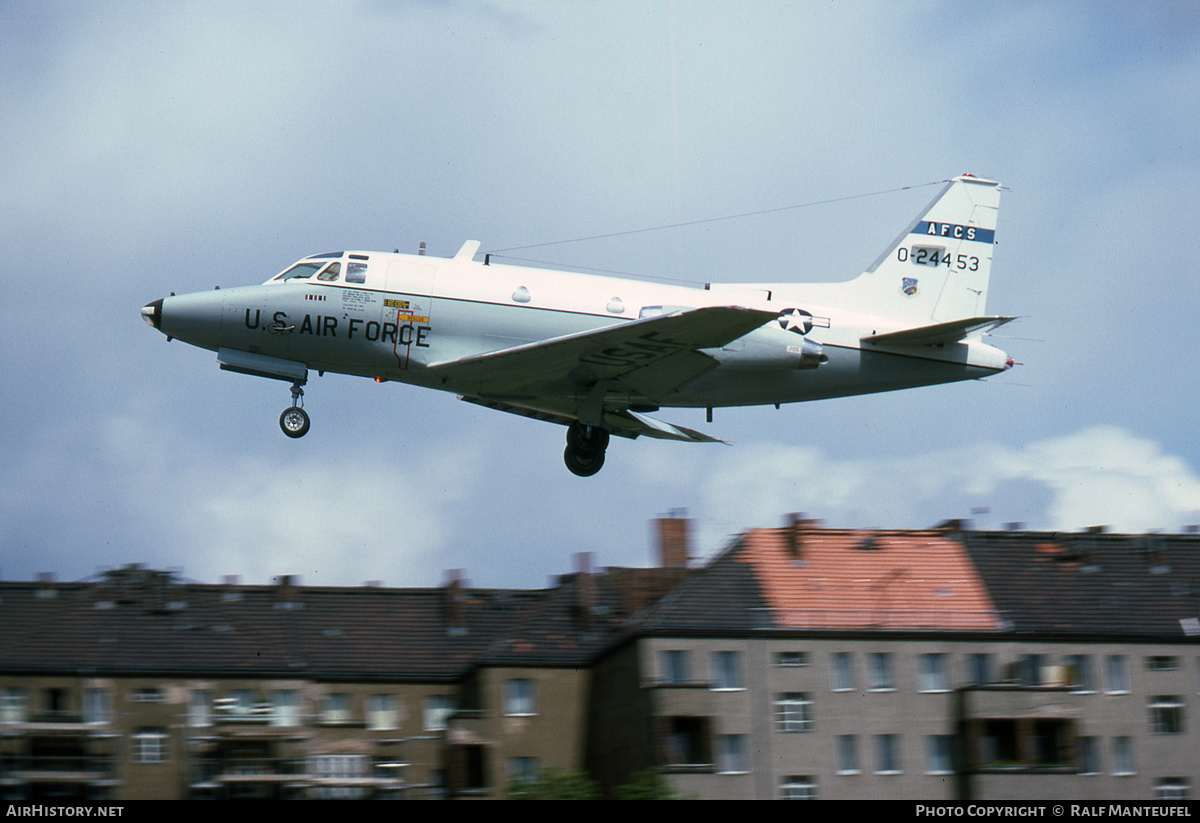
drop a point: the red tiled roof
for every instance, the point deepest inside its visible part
(846, 579)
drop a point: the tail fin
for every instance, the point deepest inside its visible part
(938, 268)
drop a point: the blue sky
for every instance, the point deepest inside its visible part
(155, 147)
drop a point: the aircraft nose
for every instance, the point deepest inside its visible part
(152, 313)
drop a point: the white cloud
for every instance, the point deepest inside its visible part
(137, 491)
(1098, 475)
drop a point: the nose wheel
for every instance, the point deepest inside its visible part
(294, 421)
(585, 449)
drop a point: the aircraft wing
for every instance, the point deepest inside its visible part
(623, 423)
(651, 357)
(951, 332)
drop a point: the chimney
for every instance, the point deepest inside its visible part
(674, 540)
(285, 596)
(795, 525)
(585, 590)
(452, 603)
(45, 585)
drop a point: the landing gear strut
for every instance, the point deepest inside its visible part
(294, 421)
(585, 449)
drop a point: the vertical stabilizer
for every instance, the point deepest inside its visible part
(938, 268)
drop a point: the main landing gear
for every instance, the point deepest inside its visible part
(294, 421)
(585, 449)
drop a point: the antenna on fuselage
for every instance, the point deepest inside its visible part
(421, 249)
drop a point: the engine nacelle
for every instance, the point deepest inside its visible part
(770, 348)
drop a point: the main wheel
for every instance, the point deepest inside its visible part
(587, 439)
(294, 422)
(583, 464)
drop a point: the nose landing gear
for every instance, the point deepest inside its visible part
(294, 421)
(586, 445)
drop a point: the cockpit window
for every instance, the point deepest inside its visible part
(330, 274)
(356, 273)
(301, 271)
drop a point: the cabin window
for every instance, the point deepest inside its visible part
(356, 273)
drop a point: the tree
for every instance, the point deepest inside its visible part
(555, 785)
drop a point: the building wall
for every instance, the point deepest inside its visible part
(164, 738)
(791, 724)
(517, 723)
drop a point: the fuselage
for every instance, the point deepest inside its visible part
(390, 316)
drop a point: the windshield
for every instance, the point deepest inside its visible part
(301, 271)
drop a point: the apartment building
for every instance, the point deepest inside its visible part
(945, 664)
(801, 662)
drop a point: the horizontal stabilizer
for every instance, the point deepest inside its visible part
(951, 332)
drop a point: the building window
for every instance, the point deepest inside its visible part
(332, 769)
(13, 705)
(998, 743)
(381, 712)
(732, 759)
(1123, 756)
(150, 746)
(520, 697)
(437, 711)
(1087, 755)
(1166, 714)
(727, 670)
(675, 666)
(1031, 666)
(791, 659)
(881, 672)
(1116, 674)
(1162, 663)
(841, 676)
(239, 706)
(285, 708)
(979, 669)
(1052, 742)
(887, 754)
(200, 708)
(335, 709)
(523, 769)
(793, 712)
(940, 749)
(1172, 788)
(687, 741)
(798, 787)
(848, 754)
(97, 706)
(148, 695)
(934, 674)
(1080, 674)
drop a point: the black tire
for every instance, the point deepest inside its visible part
(294, 422)
(587, 439)
(583, 464)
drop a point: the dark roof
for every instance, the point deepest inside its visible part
(136, 621)
(164, 627)
(140, 621)
(1094, 584)
(722, 598)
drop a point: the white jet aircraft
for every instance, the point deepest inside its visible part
(598, 354)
